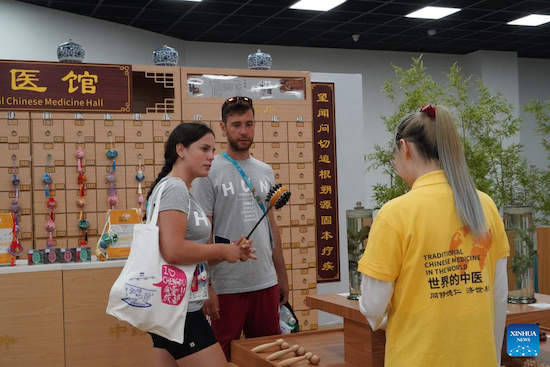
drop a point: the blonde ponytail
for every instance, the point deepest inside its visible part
(434, 134)
(453, 162)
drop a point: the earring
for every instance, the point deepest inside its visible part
(182, 157)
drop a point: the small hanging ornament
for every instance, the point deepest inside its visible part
(81, 178)
(140, 177)
(112, 152)
(15, 207)
(51, 204)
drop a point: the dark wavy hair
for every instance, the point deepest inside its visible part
(186, 134)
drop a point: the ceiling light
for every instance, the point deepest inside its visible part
(532, 20)
(317, 5)
(197, 1)
(432, 12)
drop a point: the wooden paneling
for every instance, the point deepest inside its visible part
(93, 338)
(31, 321)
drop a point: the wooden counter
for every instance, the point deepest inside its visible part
(31, 319)
(363, 347)
(54, 316)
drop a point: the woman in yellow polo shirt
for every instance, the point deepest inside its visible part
(434, 270)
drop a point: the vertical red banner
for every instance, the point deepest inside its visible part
(326, 197)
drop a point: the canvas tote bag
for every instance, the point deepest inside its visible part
(149, 293)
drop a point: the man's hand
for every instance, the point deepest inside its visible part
(211, 307)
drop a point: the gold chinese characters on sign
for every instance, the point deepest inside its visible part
(46, 86)
(328, 253)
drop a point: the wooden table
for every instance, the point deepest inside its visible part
(363, 347)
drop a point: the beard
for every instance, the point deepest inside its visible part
(235, 145)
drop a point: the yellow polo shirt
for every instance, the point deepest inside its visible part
(441, 313)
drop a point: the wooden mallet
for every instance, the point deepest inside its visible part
(312, 358)
(260, 348)
(299, 351)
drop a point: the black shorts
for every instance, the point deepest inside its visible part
(197, 336)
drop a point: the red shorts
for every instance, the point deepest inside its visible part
(256, 313)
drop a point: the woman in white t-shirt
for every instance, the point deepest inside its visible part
(183, 230)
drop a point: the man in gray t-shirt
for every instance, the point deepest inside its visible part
(244, 296)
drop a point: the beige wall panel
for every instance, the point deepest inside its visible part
(15, 131)
(72, 195)
(90, 172)
(48, 131)
(300, 152)
(304, 279)
(22, 154)
(24, 174)
(257, 151)
(308, 320)
(103, 195)
(302, 194)
(299, 298)
(41, 151)
(79, 131)
(101, 173)
(280, 171)
(162, 130)
(131, 172)
(138, 131)
(275, 132)
(89, 154)
(72, 223)
(303, 258)
(40, 201)
(301, 215)
(60, 227)
(303, 236)
(285, 236)
(101, 154)
(35, 334)
(275, 152)
(282, 216)
(57, 175)
(300, 173)
(300, 132)
(133, 150)
(105, 129)
(107, 341)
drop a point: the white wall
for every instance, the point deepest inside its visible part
(534, 84)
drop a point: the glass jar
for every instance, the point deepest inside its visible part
(359, 221)
(520, 228)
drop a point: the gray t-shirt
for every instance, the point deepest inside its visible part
(225, 196)
(176, 196)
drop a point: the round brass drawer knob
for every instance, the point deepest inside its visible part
(276, 175)
(47, 132)
(304, 260)
(300, 134)
(301, 175)
(138, 133)
(302, 196)
(14, 133)
(303, 217)
(275, 134)
(279, 217)
(301, 154)
(276, 155)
